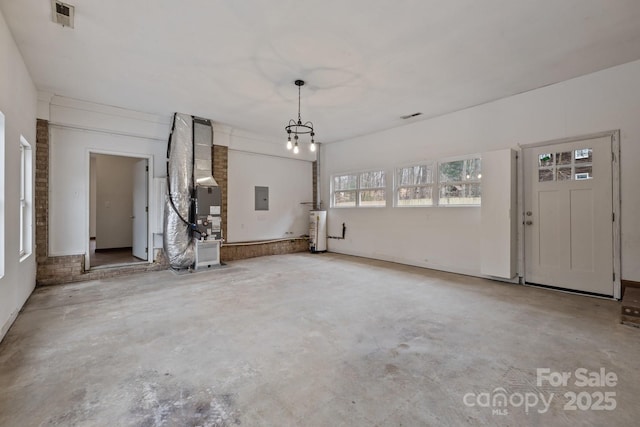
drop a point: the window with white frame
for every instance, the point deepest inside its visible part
(414, 185)
(26, 198)
(362, 189)
(345, 191)
(459, 182)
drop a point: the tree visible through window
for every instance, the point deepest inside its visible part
(414, 185)
(372, 189)
(363, 189)
(460, 182)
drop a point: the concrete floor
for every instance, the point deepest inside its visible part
(311, 340)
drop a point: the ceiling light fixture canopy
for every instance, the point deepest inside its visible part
(298, 128)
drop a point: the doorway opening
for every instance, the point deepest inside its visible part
(118, 211)
(571, 214)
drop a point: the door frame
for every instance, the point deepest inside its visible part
(615, 182)
(89, 152)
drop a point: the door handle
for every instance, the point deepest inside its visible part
(529, 222)
(133, 216)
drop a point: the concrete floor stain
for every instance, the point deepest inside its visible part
(161, 400)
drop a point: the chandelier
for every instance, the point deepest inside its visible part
(298, 128)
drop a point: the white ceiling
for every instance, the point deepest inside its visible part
(367, 62)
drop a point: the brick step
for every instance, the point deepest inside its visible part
(630, 313)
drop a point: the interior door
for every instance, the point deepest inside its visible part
(140, 208)
(569, 215)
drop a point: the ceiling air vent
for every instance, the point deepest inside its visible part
(62, 13)
(410, 116)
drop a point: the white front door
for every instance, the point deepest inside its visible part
(140, 207)
(569, 215)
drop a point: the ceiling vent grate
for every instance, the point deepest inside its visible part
(62, 13)
(410, 116)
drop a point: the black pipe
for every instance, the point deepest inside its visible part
(344, 232)
(191, 225)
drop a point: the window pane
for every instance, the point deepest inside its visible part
(415, 175)
(563, 158)
(584, 172)
(22, 171)
(451, 171)
(545, 159)
(373, 179)
(564, 174)
(545, 175)
(344, 198)
(372, 198)
(472, 169)
(415, 196)
(21, 229)
(460, 170)
(584, 155)
(345, 182)
(461, 194)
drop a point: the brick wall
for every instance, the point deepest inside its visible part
(66, 269)
(314, 184)
(220, 160)
(233, 252)
(42, 190)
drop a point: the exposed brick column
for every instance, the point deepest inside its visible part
(220, 157)
(314, 185)
(42, 191)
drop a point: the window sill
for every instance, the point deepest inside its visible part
(357, 207)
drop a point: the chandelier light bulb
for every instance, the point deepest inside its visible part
(299, 127)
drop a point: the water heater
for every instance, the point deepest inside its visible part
(318, 231)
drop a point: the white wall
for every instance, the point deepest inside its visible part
(76, 130)
(18, 104)
(290, 184)
(114, 201)
(450, 238)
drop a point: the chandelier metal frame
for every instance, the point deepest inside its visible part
(298, 127)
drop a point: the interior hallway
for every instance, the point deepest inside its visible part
(302, 339)
(107, 257)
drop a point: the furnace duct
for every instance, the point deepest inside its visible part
(178, 244)
(202, 142)
(188, 164)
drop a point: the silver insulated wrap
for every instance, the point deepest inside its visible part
(202, 142)
(178, 244)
